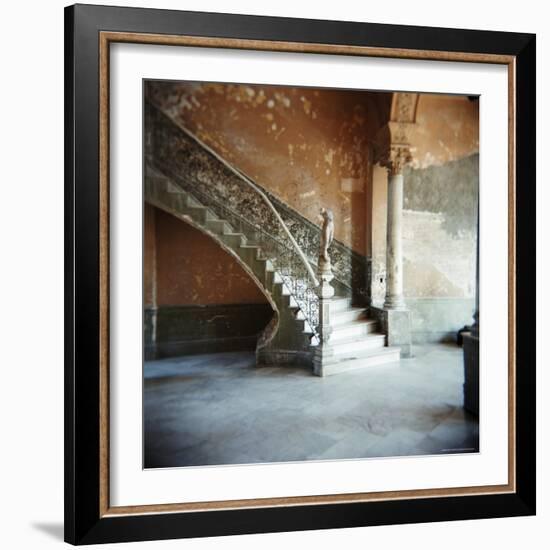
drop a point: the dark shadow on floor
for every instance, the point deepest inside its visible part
(53, 530)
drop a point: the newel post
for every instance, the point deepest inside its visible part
(324, 351)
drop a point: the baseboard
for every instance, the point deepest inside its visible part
(165, 350)
(280, 357)
(171, 331)
(434, 337)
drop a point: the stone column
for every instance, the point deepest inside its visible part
(394, 246)
(393, 150)
(394, 317)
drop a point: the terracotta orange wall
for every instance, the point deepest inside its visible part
(309, 147)
(190, 268)
(447, 129)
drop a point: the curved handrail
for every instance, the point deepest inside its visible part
(264, 197)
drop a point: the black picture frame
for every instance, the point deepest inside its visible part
(84, 522)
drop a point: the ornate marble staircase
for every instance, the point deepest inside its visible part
(290, 338)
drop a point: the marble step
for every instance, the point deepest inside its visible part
(154, 186)
(157, 181)
(355, 329)
(234, 240)
(175, 200)
(347, 315)
(150, 171)
(275, 280)
(218, 227)
(270, 280)
(300, 315)
(364, 360)
(247, 252)
(308, 329)
(192, 201)
(279, 289)
(173, 188)
(201, 214)
(192, 205)
(354, 346)
(339, 304)
(260, 268)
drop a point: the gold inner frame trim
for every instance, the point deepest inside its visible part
(105, 39)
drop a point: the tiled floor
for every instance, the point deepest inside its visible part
(222, 409)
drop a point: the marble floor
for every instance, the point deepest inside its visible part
(222, 409)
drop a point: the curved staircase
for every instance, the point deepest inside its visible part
(290, 338)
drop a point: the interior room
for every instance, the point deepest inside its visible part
(309, 274)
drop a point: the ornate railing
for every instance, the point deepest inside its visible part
(287, 234)
(267, 231)
(351, 269)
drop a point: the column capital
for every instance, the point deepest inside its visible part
(399, 155)
(392, 143)
(392, 147)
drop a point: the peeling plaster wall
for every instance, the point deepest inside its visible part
(309, 147)
(446, 129)
(439, 247)
(193, 270)
(440, 229)
(187, 163)
(439, 219)
(197, 298)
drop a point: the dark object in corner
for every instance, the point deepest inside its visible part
(460, 333)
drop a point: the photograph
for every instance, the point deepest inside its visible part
(283, 238)
(310, 274)
(275, 275)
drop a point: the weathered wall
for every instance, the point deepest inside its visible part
(439, 230)
(197, 298)
(447, 129)
(186, 330)
(149, 256)
(192, 269)
(186, 162)
(439, 218)
(309, 147)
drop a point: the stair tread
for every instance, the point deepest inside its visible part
(354, 339)
(350, 309)
(354, 323)
(152, 171)
(366, 354)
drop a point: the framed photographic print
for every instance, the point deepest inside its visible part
(299, 274)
